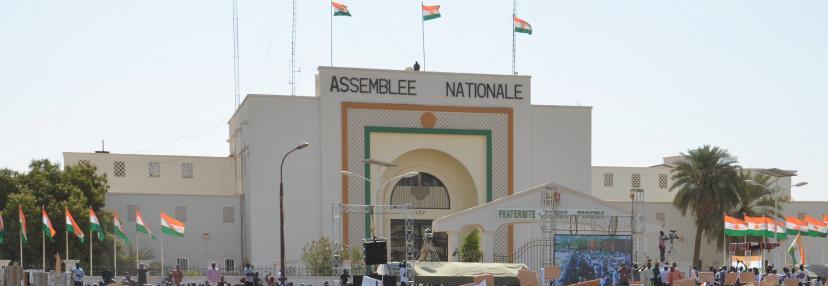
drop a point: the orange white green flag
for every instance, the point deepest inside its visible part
(21, 218)
(140, 226)
(72, 226)
(340, 9)
(431, 12)
(794, 225)
(95, 225)
(2, 228)
(119, 228)
(46, 224)
(781, 232)
(522, 26)
(734, 226)
(796, 246)
(171, 226)
(815, 227)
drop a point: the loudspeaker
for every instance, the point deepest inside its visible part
(375, 251)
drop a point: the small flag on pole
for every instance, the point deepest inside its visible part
(22, 219)
(734, 226)
(522, 26)
(72, 226)
(431, 12)
(47, 225)
(340, 9)
(140, 226)
(95, 225)
(119, 228)
(795, 226)
(2, 228)
(171, 226)
(815, 227)
(796, 244)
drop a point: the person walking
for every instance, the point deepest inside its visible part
(213, 274)
(177, 275)
(142, 274)
(78, 274)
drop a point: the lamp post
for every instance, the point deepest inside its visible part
(775, 192)
(382, 186)
(282, 211)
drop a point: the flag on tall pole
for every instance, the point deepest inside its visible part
(140, 226)
(340, 9)
(119, 228)
(22, 220)
(522, 26)
(734, 226)
(796, 244)
(95, 225)
(781, 232)
(757, 226)
(72, 227)
(171, 226)
(816, 228)
(795, 226)
(430, 12)
(46, 225)
(2, 228)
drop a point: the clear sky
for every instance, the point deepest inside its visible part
(156, 77)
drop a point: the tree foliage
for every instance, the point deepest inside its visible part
(318, 256)
(47, 185)
(755, 201)
(706, 181)
(470, 248)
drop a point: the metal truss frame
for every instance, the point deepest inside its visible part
(339, 209)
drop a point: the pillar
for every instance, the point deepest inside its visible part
(488, 246)
(452, 244)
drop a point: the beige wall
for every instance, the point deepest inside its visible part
(211, 175)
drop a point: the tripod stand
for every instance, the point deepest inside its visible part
(672, 252)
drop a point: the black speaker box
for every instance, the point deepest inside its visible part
(375, 251)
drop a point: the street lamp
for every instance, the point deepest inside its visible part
(282, 211)
(775, 192)
(382, 186)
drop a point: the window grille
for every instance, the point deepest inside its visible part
(662, 181)
(187, 170)
(608, 179)
(154, 169)
(119, 168)
(228, 215)
(636, 180)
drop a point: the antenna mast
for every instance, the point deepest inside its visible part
(236, 51)
(293, 69)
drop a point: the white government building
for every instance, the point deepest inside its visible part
(486, 158)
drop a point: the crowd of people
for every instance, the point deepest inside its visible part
(587, 265)
(656, 274)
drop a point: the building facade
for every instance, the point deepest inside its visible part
(459, 148)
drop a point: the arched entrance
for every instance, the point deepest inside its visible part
(443, 186)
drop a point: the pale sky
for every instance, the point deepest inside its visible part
(156, 77)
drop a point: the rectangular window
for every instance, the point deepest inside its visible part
(183, 262)
(187, 170)
(131, 210)
(662, 181)
(181, 214)
(228, 215)
(119, 168)
(608, 178)
(154, 169)
(636, 180)
(229, 265)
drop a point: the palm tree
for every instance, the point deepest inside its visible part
(706, 184)
(753, 201)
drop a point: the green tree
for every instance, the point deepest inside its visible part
(318, 256)
(706, 182)
(470, 248)
(47, 185)
(753, 201)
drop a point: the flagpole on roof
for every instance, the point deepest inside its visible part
(514, 46)
(422, 24)
(331, 8)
